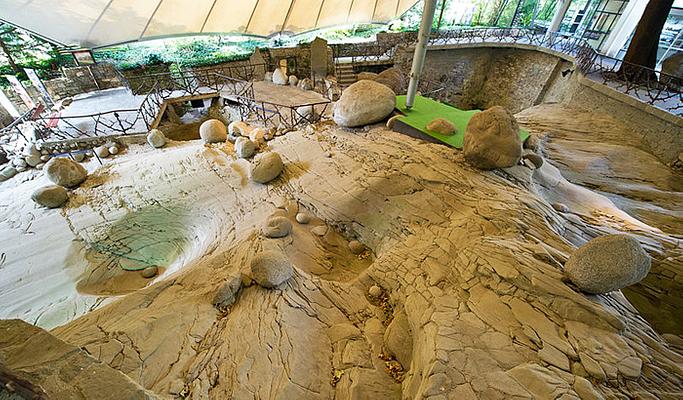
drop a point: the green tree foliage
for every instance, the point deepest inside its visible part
(19, 49)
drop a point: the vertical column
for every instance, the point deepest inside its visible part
(562, 7)
(420, 50)
(624, 27)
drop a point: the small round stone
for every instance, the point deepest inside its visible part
(608, 263)
(65, 172)
(277, 227)
(356, 247)
(79, 157)
(113, 150)
(156, 138)
(244, 148)
(150, 272)
(102, 151)
(303, 218)
(375, 291)
(560, 207)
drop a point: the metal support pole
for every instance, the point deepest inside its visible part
(420, 50)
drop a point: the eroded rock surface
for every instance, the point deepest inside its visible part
(473, 259)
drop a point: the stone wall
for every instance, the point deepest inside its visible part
(83, 79)
(479, 77)
(660, 131)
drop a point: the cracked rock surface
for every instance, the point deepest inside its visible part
(467, 266)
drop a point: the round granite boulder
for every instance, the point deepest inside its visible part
(265, 167)
(271, 268)
(156, 138)
(244, 148)
(213, 131)
(607, 263)
(51, 196)
(492, 139)
(65, 172)
(365, 102)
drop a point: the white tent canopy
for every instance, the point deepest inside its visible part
(97, 23)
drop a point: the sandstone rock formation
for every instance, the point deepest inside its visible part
(608, 263)
(156, 138)
(473, 260)
(265, 167)
(213, 131)
(364, 102)
(65, 172)
(492, 139)
(441, 126)
(39, 365)
(51, 196)
(271, 268)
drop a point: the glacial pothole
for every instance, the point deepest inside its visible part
(151, 236)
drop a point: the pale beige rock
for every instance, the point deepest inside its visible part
(398, 339)
(265, 167)
(441, 126)
(364, 102)
(51, 196)
(213, 131)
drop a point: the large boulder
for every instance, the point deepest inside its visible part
(393, 78)
(364, 102)
(65, 172)
(213, 131)
(244, 148)
(607, 263)
(156, 138)
(51, 196)
(305, 84)
(363, 75)
(673, 67)
(271, 268)
(266, 167)
(279, 77)
(492, 139)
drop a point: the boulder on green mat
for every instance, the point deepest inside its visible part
(492, 139)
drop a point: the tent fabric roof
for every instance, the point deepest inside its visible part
(97, 23)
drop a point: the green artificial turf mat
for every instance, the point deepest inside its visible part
(425, 110)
